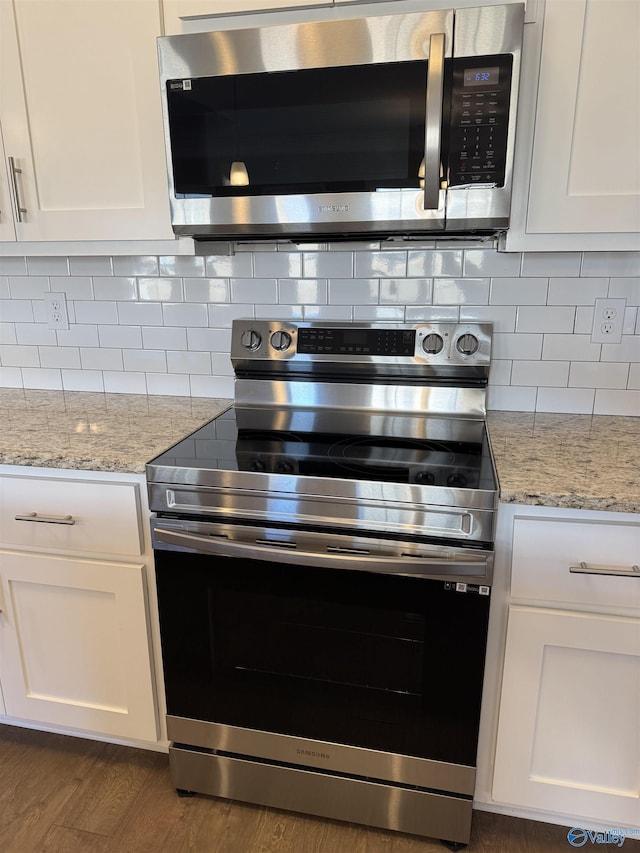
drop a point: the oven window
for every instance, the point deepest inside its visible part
(376, 661)
(353, 129)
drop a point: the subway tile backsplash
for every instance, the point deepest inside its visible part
(161, 325)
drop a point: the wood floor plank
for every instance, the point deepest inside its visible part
(222, 825)
(67, 795)
(109, 789)
(160, 820)
(494, 833)
(275, 832)
(381, 841)
(62, 839)
(39, 774)
(314, 835)
(288, 832)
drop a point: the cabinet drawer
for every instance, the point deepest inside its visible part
(103, 517)
(544, 549)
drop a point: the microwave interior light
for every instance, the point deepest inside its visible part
(238, 177)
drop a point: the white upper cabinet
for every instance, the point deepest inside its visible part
(577, 171)
(179, 13)
(80, 116)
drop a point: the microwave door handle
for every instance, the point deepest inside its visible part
(433, 122)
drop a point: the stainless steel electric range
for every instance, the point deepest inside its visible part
(324, 556)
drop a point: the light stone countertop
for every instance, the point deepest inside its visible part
(95, 432)
(576, 461)
(573, 461)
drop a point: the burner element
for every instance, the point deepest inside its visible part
(425, 478)
(379, 451)
(456, 479)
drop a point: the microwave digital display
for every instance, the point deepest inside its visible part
(482, 76)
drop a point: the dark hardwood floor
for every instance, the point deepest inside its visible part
(67, 795)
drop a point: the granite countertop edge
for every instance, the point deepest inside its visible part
(597, 504)
(552, 460)
(72, 463)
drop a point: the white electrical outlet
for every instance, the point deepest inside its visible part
(608, 319)
(56, 310)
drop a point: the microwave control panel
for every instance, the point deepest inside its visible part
(480, 95)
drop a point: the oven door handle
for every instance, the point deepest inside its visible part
(342, 558)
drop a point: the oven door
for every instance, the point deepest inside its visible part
(333, 656)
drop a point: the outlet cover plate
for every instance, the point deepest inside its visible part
(608, 320)
(56, 310)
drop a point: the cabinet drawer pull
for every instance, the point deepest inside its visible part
(583, 569)
(14, 171)
(47, 519)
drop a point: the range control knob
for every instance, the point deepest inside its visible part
(467, 344)
(281, 341)
(250, 340)
(432, 343)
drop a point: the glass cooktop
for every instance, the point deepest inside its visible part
(430, 451)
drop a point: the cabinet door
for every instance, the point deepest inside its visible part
(176, 11)
(584, 183)
(80, 112)
(569, 728)
(74, 647)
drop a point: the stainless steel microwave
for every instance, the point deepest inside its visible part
(366, 128)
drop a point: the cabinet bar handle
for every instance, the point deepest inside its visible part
(14, 171)
(583, 569)
(47, 519)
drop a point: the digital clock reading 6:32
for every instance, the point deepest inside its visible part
(481, 76)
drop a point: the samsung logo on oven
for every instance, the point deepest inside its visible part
(311, 754)
(333, 208)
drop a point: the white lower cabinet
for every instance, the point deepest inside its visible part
(75, 627)
(569, 735)
(74, 644)
(568, 740)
